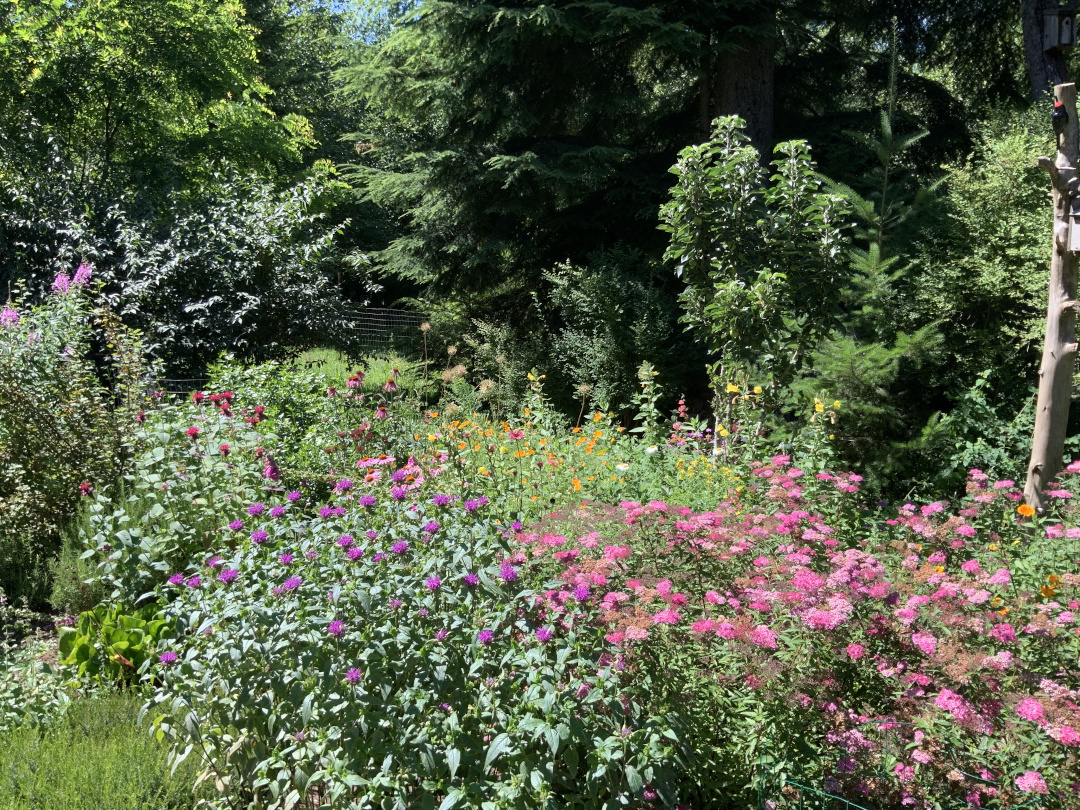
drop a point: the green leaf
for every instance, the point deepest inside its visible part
(453, 761)
(498, 745)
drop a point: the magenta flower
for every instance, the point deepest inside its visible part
(431, 527)
(1031, 709)
(353, 675)
(61, 284)
(345, 540)
(168, 658)
(400, 547)
(1031, 781)
(354, 553)
(507, 573)
(398, 493)
(366, 501)
(666, 616)
(441, 635)
(855, 651)
(256, 509)
(485, 636)
(176, 579)
(442, 500)
(344, 485)
(194, 582)
(293, 496)
(228, 575)
(9, 317)
(236, 525)
(82, 275)
(762, 636)
(292, 583)
(277, 511)
(259, 537)
(925, 642)
(582, 593)
(433, 583)
(336, 628)
(544, 634)
(285, 559)
(471, 580)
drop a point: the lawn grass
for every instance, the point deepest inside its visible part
(94, 757)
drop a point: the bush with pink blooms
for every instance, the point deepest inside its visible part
(520, 614)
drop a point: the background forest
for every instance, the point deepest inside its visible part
(243, 175)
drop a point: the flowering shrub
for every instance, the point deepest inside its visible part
(66, 421)
(462, 612)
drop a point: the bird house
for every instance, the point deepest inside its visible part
(1059, 29)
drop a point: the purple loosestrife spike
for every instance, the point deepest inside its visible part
(61, 284)
(9, 318)
(82, 275)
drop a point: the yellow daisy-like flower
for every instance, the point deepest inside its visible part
(836, 404)
(757, 389)
(732, 389)
(819, 407)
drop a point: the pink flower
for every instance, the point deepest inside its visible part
(965, 530)
(1004, 633)
(726, 630)
(1000, 577)
(1031, 781)
(704, 626)
(855, 651)
(763, 636)
(925, 642)
(1066, 735)
(667, 616)
(1031, 709)
(713, 598)
(971, 566)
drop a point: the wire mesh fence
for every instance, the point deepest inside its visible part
(383, 330)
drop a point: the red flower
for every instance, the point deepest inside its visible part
(85, 488)
(192, 432)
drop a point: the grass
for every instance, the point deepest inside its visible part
(94, 757)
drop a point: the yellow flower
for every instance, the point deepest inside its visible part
(1027, 510)
(732, 389)
(836, 404)
(1048, 591)
(757, 389)
(819, 407)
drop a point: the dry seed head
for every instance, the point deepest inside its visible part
(451, 350)
(425, 327)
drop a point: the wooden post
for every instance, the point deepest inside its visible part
(1059, 351)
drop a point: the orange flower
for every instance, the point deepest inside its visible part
(1026, 510)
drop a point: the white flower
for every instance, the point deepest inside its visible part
(622, 466)
(652, 448)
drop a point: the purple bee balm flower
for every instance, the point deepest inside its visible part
(194, 582)
(345, 541)
(338, 511)
(433, 583)
(371, 534)
(354, 553)
(440, 635)
(471, 506)
(378, 558)
(544, 634)
(228, 575)
(582, 593)
(485, 636)
(176, 579)
(395, 604)
(311, 554)
(256, 509)
(168, 658)
(285, 559)
(277, 511)
(422, 613)
(344, 485)
(353, 675)
(213, 562)
(336, 628)
(236, 525)
(259, 537)
(292, 583)
(471, 580)
(507, 573)
(366, 501)
(398, 476)
(326, 512)
(442, 500)
(400, 547)
(293, 496)
(431, 527)
(9, 317)
(398, 493)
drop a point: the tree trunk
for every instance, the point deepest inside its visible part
(1059, 352)
(1044, 69)
(745, 79)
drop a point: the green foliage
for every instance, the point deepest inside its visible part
(112, 645)
(762, 262)
(96, 757)
(71, 385)
(31, 690)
